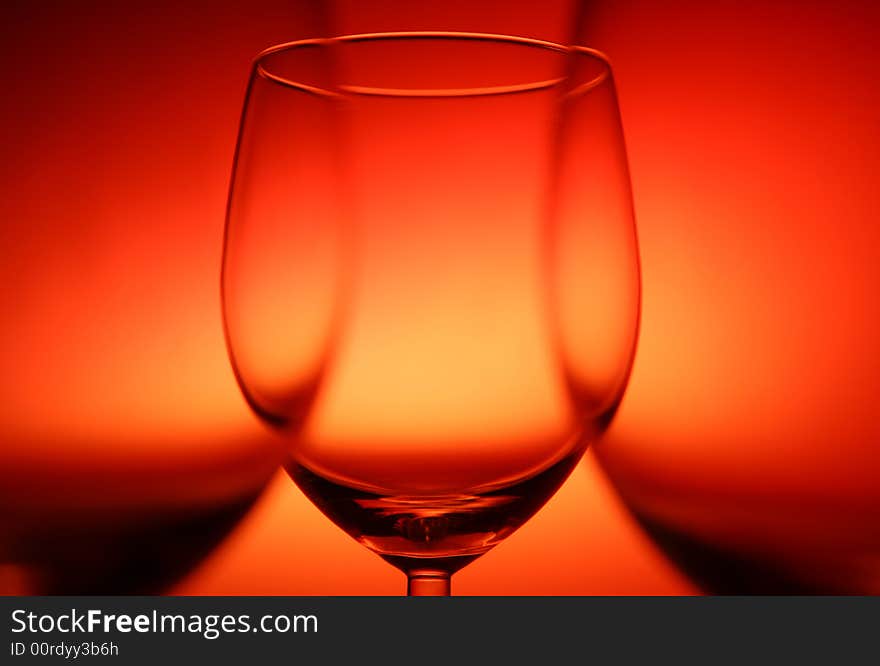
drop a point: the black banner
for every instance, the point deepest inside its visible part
(462, 630)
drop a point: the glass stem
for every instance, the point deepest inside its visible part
(427, 583)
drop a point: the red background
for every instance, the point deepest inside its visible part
(752, 132)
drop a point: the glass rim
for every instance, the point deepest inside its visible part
(348, 89)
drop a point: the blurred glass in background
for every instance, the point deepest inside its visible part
(747, 445)
(126, 453)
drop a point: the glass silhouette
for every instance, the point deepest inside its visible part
(126, 457)
(431, 280)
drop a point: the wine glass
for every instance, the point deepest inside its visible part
(430, 280)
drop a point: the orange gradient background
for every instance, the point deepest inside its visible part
(752, 133)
